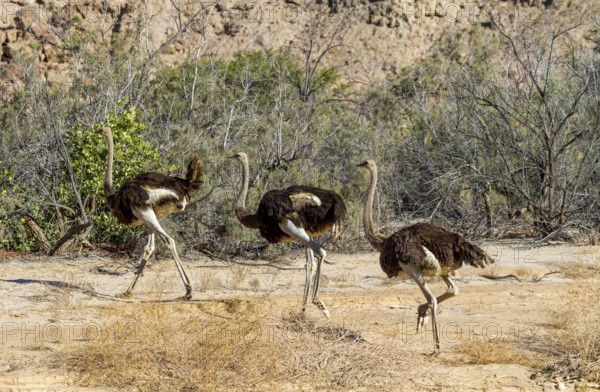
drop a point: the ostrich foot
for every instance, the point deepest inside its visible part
(188, 294)
(321, 307)
(125, 295)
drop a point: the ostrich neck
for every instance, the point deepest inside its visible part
(374, 237)
(108, 180)
(240, 204)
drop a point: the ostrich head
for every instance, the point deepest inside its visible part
(104, 131)
(240, 156)
(369, 164)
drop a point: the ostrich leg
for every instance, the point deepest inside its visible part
(310, 270)
(148, 250)
(149, 217)
(415, 273)
(316, 283)
(299, 233)
(423, 308)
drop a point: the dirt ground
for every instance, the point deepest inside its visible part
(50, 305)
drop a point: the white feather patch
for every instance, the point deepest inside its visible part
(431, 261)
(156, 195)
(305, 199)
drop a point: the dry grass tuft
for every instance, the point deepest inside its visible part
(583, 269)
(209, 281)
(239, 274)
(170, 347)
(495, 351)
(298, 323)
(159, 347)
(576, 339)
(523, 272)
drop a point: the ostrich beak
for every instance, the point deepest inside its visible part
(363, 164)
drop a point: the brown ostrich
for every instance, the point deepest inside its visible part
(421, 250)
(145, 199)
(297, 213)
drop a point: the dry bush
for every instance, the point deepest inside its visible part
(483, 352)
(180, 347)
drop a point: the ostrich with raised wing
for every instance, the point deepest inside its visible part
(145, 199)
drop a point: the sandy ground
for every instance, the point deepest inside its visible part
(49, 304)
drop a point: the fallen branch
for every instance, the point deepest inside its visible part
(36, 231)
(534, 279)
(72, 232)
(494, 277)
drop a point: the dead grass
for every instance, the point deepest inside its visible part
(185, 347)
(345, 279)
(523, 272)
(209, 281)
(584, 269)
(239, 274)
(576, 337)
(160, 347)
(483, 352)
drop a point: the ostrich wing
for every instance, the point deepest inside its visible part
(315, 210)
(277, 205)
(318, 219)
(154, 188)
(450, 248)
(303, 200)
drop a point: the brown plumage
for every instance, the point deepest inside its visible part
(297, 213)
(148, 197)
(137, 193)
(297, 204)
(450, 249)
(421, 250)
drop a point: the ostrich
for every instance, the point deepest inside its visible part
(297, 213)
(145, 199)
(421, 250)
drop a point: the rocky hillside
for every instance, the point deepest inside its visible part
(373, 38)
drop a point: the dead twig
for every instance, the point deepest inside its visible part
(503, 277)
(534, 279)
